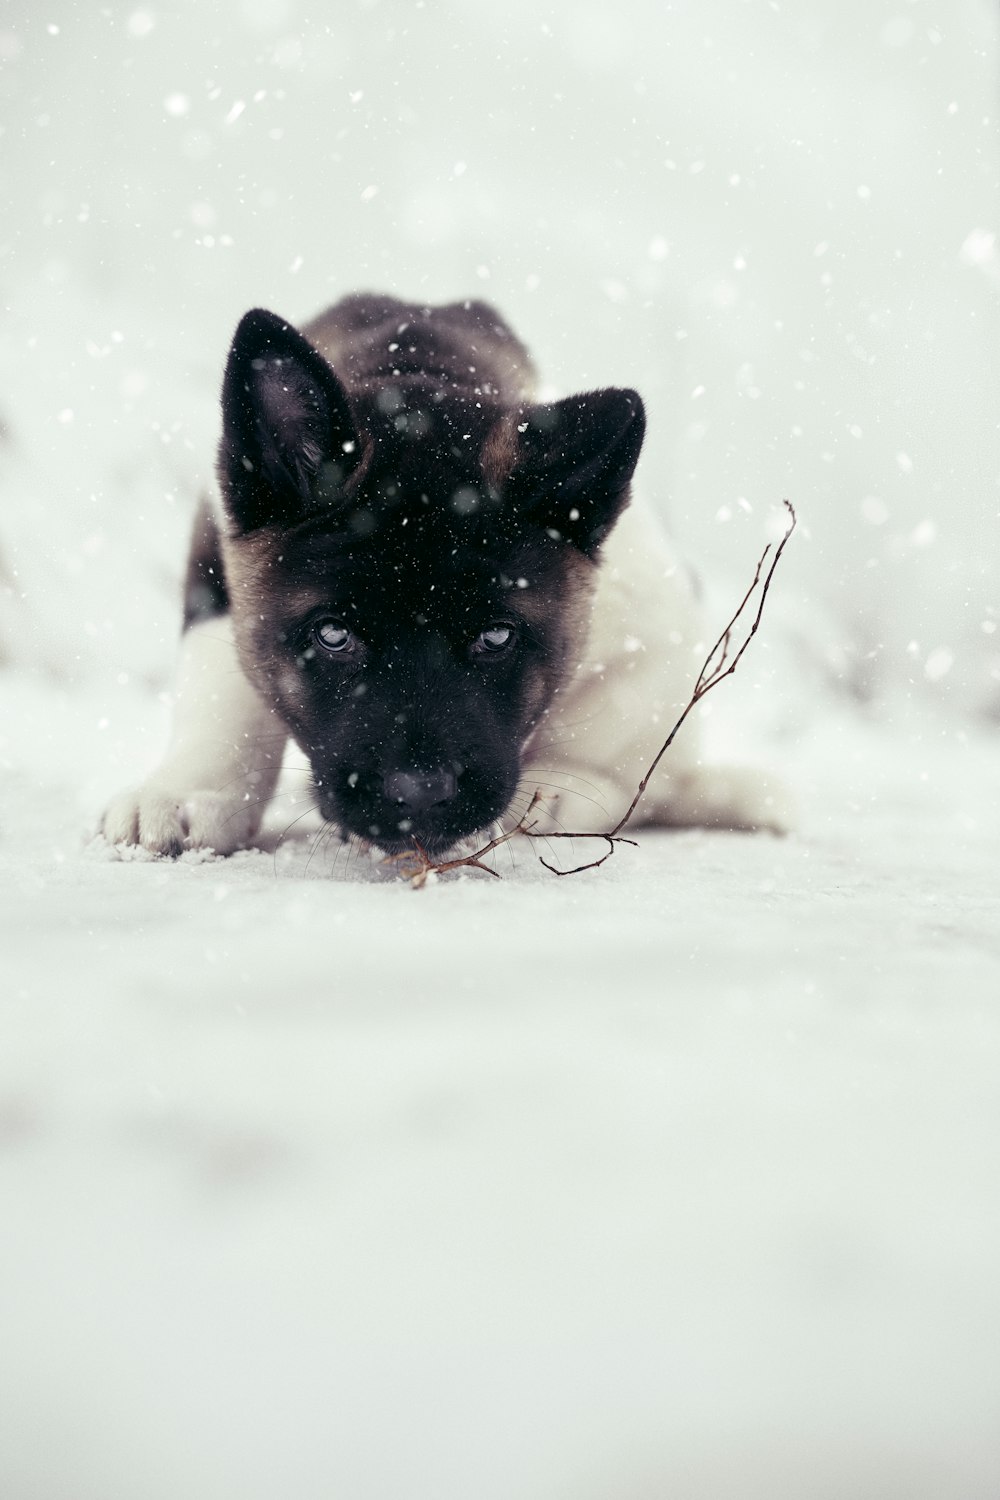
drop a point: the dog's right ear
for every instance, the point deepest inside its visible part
(574, 464)
(288, 438)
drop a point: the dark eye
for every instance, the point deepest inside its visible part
(333, 637)
(493, 639)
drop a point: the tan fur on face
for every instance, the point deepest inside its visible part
(264, 599)
(558, 605)
(499, 454)
(261, 600)
(564, 595)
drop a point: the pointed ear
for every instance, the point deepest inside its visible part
(575, 461)
(288, 438)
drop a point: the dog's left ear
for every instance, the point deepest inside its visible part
(575, 459)
(288, 437)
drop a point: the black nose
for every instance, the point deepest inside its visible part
(418, 790)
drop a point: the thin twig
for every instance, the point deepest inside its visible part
(717, 666)
(707, 680)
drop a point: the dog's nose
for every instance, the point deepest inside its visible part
(416, 791)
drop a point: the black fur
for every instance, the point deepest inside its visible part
(205, 592)
(575, 465)
(400, 509)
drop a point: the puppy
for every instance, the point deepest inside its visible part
(433, 584)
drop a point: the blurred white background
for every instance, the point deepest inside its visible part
(778, 221)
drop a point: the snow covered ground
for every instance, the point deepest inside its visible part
(679, 1178)
(675, 1178)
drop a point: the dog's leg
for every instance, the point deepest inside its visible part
(221, 766)
(582, 798)
(743, 798)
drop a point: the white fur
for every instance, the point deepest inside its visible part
(221, 765)
(643, 656)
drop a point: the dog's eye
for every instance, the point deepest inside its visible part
(493, 639)
(333, 636)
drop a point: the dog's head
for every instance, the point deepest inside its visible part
(409, 572)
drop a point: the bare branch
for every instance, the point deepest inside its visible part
(708, 679)
(717, 666)
(594, 864)
(416, 864)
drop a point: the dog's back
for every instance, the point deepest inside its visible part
(461, 347)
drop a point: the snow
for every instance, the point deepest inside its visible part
(678, 1177)
(679, 1174)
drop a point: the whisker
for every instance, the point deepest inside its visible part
(345, 848)
(554, 786)
(355, 848)
(321, 836)
(547, 842)
(535, 766)
(509, 846)
(285, 832)
(350, 847)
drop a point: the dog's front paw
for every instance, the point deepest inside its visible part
(166, 822)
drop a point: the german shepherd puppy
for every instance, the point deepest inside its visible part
(425, 578)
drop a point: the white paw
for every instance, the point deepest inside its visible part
(166, 822)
